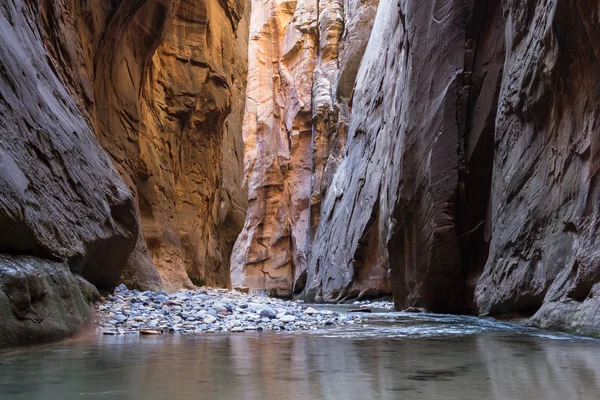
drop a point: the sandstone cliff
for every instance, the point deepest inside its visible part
(188, 200)
(277, 142)
(158, 85)
(470, 163)
(303, 60)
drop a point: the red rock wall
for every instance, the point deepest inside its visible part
(154, 87)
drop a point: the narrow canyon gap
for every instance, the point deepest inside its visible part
(443, 152)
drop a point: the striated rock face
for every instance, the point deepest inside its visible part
(164, 86)
(470, 167)
(158, 80)
(277, 141)
(392, 200)
(544, 253)
(61, 201)
(157, 84)
(345, 29)
(302, 67)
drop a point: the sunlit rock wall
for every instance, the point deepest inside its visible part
(277, 142)
(120, 152)
(189, 171)
(303, 61)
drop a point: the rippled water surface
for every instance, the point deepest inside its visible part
(389, 356)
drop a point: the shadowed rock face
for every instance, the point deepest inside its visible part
(41, 300)
(61, 200)
(544, 255)
(470, 168)
(156, 86)
(392, 201)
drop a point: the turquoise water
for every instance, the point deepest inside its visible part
(389, 356)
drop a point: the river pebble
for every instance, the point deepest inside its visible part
(208, 310)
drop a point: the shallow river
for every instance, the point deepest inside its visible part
(389, 356)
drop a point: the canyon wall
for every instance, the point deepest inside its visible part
(189, 169)
(445, 152)
(470, 166)
(120, 153)
(303, 59)
(544, 253)
(63, 208)
(277, 143)
(391, 202)
(453, 165)
(157, 82)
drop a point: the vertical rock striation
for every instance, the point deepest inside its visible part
(468, 178)
(63, 208)
(304, 57)
(277, 138)
(543, 255)
(392, 200)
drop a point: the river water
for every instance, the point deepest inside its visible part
(389, 356)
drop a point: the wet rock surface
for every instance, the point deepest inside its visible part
(209, 310)
(41, 301)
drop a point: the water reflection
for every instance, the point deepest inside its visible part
(467, 359)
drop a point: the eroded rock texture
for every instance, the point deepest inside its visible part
(392, 199)
(41, 300)
(189, 172)
(157, 84)
(277, 138)
(469, 178)
(304, 57)
(544, 205)
(61, 200)
(156, 81)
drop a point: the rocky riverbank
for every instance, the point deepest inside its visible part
(211, 310)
